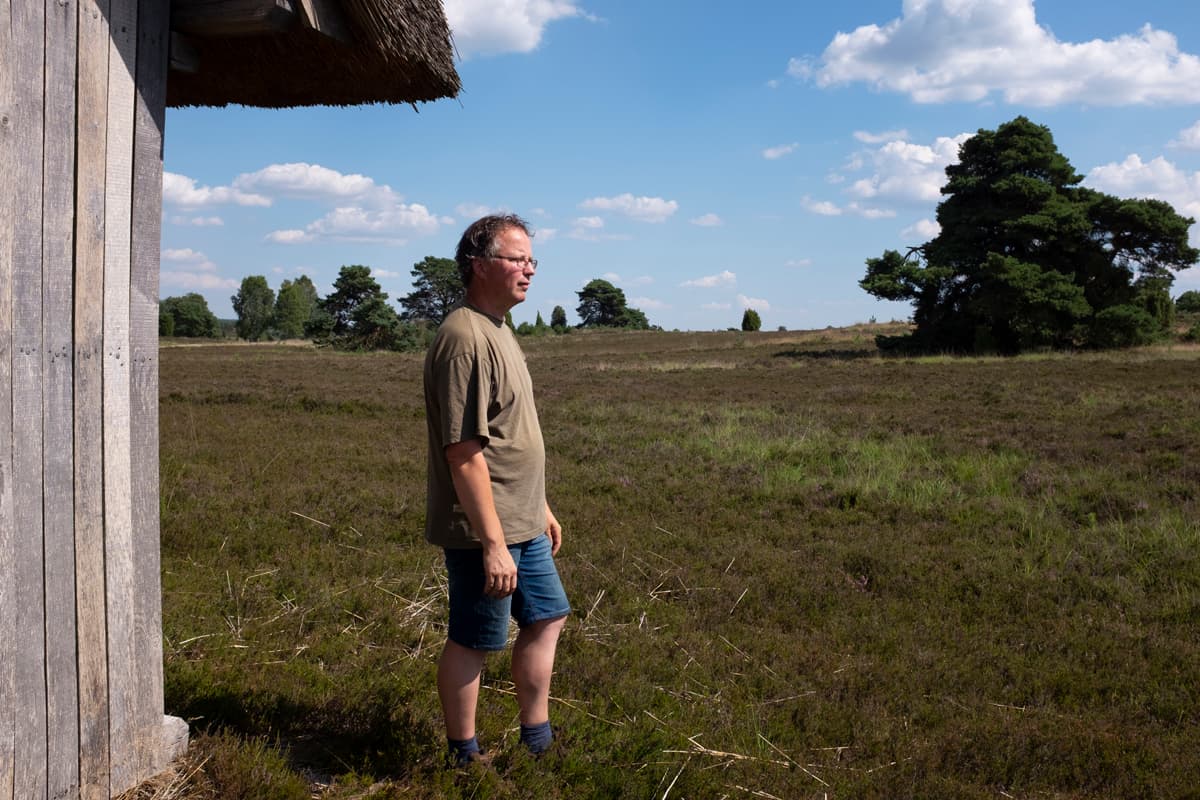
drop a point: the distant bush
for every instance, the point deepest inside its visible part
(395, 335)
(1124, 326)
(191, 317)
(1188, 302)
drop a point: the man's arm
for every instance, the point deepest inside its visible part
(473, 484)
(553, 530)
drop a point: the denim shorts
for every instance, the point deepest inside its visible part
(481, 622)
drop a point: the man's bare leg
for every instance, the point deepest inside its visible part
(458, 676)
(532, 667)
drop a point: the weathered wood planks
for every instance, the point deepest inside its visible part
(82, 109)
(149, 121)
(118, 523)
(27, 60)
(92, 127)
(58, 472)
(8, 608)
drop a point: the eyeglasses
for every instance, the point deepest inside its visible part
(517, 260)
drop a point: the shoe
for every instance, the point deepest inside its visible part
(465, 760)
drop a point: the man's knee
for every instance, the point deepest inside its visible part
(545, 628)
(462, 656)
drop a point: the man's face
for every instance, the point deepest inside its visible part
(504, 279)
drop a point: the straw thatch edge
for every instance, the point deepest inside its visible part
(401, 52)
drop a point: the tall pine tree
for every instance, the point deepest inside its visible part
(1028, 258)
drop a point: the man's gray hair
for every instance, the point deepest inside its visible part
(479, 239)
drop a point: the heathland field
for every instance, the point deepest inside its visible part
(798, 571)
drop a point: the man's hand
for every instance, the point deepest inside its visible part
(553, 530)
(499, 571)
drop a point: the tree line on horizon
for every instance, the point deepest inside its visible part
(356, 315)
(1026, 259)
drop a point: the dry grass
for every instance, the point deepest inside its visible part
(814, 573)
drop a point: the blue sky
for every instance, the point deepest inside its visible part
(705, 158)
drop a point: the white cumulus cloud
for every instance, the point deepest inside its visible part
(866, 137)
(195, 281)
(616, 279)
(190, 269)
(870, 212)
(1158, 178)
(779, 151)
(197, 222)
(897, 172)
(643, 209)
(363, 210)
(822, 207)
(306, 181)
(193, 259)
(388, 224)
(922, 229)
(756, 303)
(1189, 138)
(907, 171)
(181, 190)
(487, 27)
(707, 221)
(717, 306)
(826, 208)
(648, 303)
(725, 278)
(290, 236)
(591, 229)
(965, 50)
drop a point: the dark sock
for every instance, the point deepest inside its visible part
(537, 737)
(464, 751)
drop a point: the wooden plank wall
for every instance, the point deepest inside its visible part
(82, 107)
(8, 210)
(92, 139)
(28, 31)
(118, 523)
(149, 122)
(58, 469)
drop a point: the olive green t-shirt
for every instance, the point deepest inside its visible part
(477, 385)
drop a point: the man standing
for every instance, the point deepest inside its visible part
(487, 498)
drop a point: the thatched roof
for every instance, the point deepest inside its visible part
(369, 51)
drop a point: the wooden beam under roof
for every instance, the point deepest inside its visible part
(182, 54)
(325, 16)
(231, 17)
